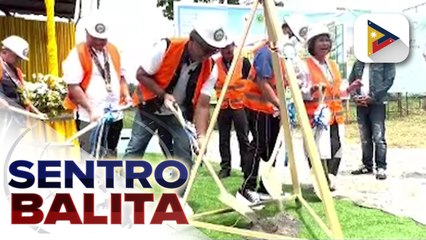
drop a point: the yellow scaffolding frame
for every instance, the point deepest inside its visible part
(334, 231)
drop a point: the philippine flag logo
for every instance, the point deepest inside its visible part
(381, 38)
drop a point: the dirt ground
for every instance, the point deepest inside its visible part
(403, 193)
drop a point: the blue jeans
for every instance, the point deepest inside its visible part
(371, 123)
(144, 127)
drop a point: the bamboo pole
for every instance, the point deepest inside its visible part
(308, 135)
(273, 33)
(315, 216)
(228, 209)
(237, 231)
(52, 49)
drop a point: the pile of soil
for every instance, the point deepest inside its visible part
(287, 225)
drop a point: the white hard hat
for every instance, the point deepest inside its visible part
(97, 26)
(316, 30)
(17, 45)
(229, 40)
(298, 24)
(212, 32)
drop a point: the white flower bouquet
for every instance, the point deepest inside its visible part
(46, 93)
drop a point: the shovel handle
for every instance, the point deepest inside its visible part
(93, 125)
(175, 109)
(26, 113)
(321, 88)
(82, 131)
(278, 144)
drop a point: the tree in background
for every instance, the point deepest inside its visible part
(167, 5)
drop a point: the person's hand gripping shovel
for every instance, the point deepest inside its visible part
(187, 126)
(92, 125)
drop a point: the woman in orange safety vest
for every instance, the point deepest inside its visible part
(322, 100)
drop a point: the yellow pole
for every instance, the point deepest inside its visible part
(52, 49)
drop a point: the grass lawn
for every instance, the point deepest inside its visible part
(356, 222)
(401, 132)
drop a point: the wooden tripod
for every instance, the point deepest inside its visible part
(274, 33)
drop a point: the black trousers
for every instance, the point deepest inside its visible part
(114, 135)
(264, 128)
(226, 118)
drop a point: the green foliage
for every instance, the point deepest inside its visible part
(167, 5)
(46, 93)
(356, 222)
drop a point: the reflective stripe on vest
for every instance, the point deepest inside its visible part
(168, 69)
(87, 65)
(331, 93)
(234, 97)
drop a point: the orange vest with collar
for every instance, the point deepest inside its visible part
(87, 65)
(234, 97)
(331, 93)
(254, 98)
(167, 71)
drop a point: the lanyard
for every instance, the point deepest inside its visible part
(105, 71)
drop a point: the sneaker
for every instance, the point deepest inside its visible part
(263, 193)
(264, 196)
(362, 170)
(224, 173)
(249, 196)
(381, 174)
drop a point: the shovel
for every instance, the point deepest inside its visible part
(270, 176)
(188, 127)
(224, 196)
(89, 127)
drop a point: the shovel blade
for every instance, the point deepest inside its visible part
(272, 182)
(233, 203)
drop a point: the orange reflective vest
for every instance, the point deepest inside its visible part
(87, 65)
(234, 97)
(331, 93)
(254, 98)
(167, 71)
